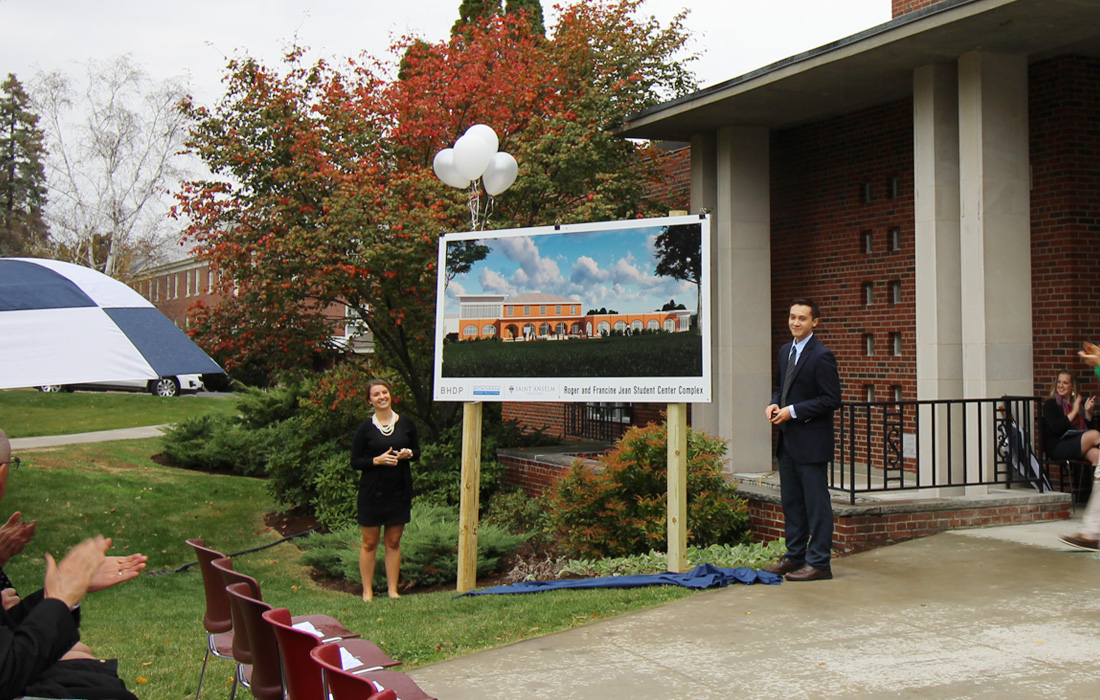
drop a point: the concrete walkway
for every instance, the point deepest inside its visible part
(34, 443)
(1002, 613)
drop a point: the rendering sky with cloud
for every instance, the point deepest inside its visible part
(604, 268)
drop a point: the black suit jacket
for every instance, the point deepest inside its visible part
(33, 636)
(815, 395)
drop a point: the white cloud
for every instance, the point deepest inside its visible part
(494, 283)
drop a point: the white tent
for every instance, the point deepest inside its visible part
(65, 324)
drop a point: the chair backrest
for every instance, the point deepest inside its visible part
(343, 685)
(267, 679)
(242, 653)
(301, 674)
(217, 618)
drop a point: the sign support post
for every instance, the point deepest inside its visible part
(468, 499)
(676, 427)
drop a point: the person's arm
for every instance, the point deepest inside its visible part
(414, 440)
(360, 459)
(27, 651)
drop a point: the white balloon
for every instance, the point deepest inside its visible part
(500, 173)
(472, 154)
(445, 169)
(486, 132)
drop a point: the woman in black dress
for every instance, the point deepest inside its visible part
(381, 451)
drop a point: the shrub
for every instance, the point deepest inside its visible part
(620, 508)
(429, 549)
(437, 475)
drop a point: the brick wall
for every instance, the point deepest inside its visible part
(548, 416)
(842, 218)
(859, 528)
(673, 186)
(1065, 215)
(904, 7)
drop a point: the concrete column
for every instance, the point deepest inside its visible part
(741, 298)
(995, 225)
(938, 272)
(704, 196)
(995, 233)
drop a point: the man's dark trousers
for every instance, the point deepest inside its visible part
(804, 490)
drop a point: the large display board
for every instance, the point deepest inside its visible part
(604, 312)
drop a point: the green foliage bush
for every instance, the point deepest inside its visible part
(753, 556)
(299, 435)
(429, 549)
(620, 508)
(437, 475)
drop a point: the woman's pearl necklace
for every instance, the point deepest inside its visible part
(386, 430)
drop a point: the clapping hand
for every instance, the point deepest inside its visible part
(14, 536)
(115, 570)
(69, 580)
(1090, 353)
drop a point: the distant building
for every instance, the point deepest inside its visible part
(541, 316)
(175, 287)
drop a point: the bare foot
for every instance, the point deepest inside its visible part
(368, 596)
(394, 594)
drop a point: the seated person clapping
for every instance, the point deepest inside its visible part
(1066, 415)
(40, 650)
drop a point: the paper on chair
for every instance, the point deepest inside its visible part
(347, 661)
(307, 626)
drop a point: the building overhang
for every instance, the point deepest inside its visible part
(875, 66)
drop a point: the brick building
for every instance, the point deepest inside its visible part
(539, 316)
(932, 182)
(175, 287)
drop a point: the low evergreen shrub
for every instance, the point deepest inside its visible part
(429, 549)
(620, 508)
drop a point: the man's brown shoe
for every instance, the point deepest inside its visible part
(783, 566)
(1081, 542)
(809, 573)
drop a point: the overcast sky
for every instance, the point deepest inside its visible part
(193, 39)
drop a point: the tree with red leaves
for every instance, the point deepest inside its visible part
(323, 190)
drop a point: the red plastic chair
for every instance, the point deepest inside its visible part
(266, 682)
(300, 674)
(217, 620)
(375, 685)
(242, 653)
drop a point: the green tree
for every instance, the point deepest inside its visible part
(473, 12)
(679, 253)
(533, 8)
(23, 191)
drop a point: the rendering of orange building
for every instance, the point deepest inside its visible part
(541, 316)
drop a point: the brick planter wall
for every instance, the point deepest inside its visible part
(861, 527)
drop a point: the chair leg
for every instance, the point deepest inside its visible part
(203, 671)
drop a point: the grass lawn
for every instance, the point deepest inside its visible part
(153, 624)
(30, 413)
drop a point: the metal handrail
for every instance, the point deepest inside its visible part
(885, 446)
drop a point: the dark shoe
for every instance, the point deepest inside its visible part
(1081, 542)
(785, 565)
(809, 573)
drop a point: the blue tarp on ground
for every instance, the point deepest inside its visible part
(702, 576)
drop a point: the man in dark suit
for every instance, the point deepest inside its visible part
(807, 392)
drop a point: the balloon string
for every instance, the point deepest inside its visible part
(478, 218)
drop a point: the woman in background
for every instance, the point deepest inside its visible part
(1066, 419)
(382, 449)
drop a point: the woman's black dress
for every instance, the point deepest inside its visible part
(1062, 440)
(385, 492)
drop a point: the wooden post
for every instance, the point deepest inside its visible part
(676, 425)
(468, 500)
